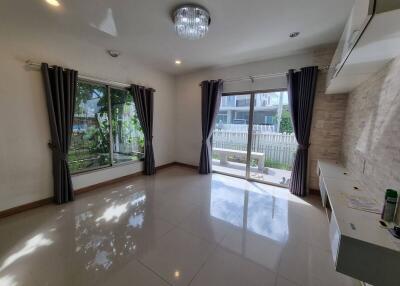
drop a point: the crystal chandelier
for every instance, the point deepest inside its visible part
(191, 21)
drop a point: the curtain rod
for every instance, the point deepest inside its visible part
(32, 64)
(252, 78)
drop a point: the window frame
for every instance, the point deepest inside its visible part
(112, 164)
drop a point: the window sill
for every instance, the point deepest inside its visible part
(94, 170)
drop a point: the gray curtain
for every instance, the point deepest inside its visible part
(211, 92)
(301, 91)
(143, 98)
(60, 89)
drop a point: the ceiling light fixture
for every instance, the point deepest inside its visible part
(54, 3)
(294, 34)
(191, 21)
(178, 62)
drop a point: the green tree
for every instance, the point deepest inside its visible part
(90, 146)
(97, 135)
(286, 121)
(124, 121)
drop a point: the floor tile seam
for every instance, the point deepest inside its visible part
(277, 268)
(318, 247)
(153, 271)
(168, 231)
(248, 259)
(283, 277)
(287, 278)
(180, 227)
(209, 254)
(291, 280)
(217, 243)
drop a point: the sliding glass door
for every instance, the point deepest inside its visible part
(230, 137)
(254, 137)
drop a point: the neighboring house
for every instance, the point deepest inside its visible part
(82, 123)
(267, 109)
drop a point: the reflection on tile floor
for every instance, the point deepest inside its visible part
(177, 228)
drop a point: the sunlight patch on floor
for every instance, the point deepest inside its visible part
(30, 246)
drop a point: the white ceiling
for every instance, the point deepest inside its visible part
(241, 31)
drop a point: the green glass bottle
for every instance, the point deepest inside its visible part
(389, 206)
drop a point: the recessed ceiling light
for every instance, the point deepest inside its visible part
(53, 3)
(294, 34)
(178, 62)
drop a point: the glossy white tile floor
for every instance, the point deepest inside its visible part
(177, 228)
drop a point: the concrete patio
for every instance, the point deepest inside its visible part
(272, 175)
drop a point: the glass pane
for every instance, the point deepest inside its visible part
(231, 134)
(128, 138)
(273, 142)
(268, 216)
(90, 137)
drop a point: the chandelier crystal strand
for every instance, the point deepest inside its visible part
(191, 22)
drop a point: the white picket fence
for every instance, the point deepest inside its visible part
(245, 127)
(277, 147)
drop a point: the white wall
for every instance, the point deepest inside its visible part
(188, 94)
(25, 168)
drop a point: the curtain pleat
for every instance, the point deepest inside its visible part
(211, 92)
(143, 99)
(60, 90)
(301, 91)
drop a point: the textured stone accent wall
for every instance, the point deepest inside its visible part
(371, 139)
(328, 121)
(326, 132)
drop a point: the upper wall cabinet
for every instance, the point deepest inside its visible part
(370, 40)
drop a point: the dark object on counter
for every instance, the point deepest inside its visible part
(395, 231)
(389, 206)
(383, 223)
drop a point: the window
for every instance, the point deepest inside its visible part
(92, 146)
(242, 102)
(128, 138)
(269, 119)
(241, 117)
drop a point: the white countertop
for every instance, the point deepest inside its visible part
(367, 227)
